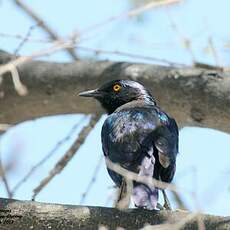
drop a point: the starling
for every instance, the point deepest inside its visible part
(138, 135)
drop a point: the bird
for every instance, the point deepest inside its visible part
(139, 136)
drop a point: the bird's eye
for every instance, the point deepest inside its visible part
(116, 88)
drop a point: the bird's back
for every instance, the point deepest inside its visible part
(132, 133)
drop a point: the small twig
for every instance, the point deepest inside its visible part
(148, 180)
(60, 165)
(60, 44)
(120, 53)
(92, 181)
(25, 38)
(142, 179)
(47, 156)
(53, 35)
(19, 87)
(12, 68)
(23, 59)
(55, 48)
(151, 5)
(124, 194)
(181, 204)
(167, 204)
(21, 37)
(4, 179)
(185, 40)
(130, 13)
(214, 52)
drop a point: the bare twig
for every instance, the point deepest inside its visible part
(60, 165)
(128, 175)
(53, 35)
(142, 179)
(47, 156)
(43, 25)
(23, 59)
(151, 5)
(25, 39)
(131, 55)
(21, 37)
(92, 181)
(181, 204)
(60, 44)
(12, 68)
(19, 87)
(124, 194)
(130, 13)
(185, 40)
(99, 51)
(214, 51)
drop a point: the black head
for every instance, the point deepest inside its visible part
(115, 93)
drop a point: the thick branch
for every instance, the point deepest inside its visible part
(193, 96)
(33, 215)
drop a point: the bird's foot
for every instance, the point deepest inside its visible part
(159, 206)
(167, 206)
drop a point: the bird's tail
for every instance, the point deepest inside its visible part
(144, 196)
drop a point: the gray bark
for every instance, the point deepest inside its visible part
(34, 215)
(194, 96)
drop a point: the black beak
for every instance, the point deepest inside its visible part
(91, 93)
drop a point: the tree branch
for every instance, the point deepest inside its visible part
(33, 215)
(194, 96)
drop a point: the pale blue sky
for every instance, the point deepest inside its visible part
(204, 159)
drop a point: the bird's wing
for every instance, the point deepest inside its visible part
(166, 142)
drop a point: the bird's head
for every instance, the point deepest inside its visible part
(115, 93)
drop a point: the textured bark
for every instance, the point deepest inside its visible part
(33, 215)
(194, 96)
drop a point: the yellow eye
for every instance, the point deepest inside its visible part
(116, 88)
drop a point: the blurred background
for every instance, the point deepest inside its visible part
(184, 33)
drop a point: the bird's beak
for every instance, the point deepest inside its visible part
(90, 93)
